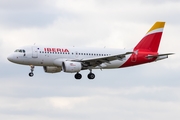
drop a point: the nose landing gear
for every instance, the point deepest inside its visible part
(31, 74)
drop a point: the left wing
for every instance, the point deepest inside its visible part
(105, 59)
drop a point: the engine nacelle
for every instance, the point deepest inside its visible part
(52, 69)
(71, 67)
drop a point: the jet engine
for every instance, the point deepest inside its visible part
(52, 69)
(71, 67)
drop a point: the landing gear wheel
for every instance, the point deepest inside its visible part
(32, 69)
(78, 76)
(91, 76)
(31, 74)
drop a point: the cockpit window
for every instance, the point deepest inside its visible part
(20, 50)
(16, 51)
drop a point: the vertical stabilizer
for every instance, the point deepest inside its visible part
(152, 38)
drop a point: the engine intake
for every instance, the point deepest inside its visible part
(71, 67)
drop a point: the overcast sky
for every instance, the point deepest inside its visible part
(145, 92)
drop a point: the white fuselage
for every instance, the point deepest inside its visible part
(54, 56)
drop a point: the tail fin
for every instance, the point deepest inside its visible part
(152, 38)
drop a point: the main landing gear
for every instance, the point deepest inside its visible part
(31, 73)
(91, 75)
(78, 76)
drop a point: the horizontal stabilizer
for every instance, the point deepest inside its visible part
(159, 56)
(154, 56)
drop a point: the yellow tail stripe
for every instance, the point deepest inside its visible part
(157, 25)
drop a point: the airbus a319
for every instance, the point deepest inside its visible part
(73, 59)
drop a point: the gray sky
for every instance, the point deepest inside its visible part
(143, 92)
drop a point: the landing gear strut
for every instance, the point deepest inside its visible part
(91, 75)
(78, 76)
(31, 73)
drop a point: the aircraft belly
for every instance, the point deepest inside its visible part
(38, 62)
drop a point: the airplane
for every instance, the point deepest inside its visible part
(74, 59)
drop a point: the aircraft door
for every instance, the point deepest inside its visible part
(34, 52)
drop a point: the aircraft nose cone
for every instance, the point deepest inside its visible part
(10, 58)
